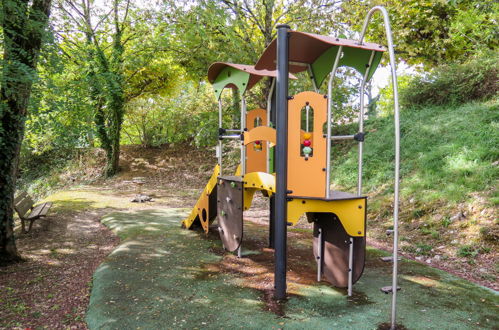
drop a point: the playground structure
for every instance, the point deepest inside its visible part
(291, 163)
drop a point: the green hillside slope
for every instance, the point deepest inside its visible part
(449, 174)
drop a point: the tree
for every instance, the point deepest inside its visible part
(431, 32)
(23, 25)
(115, 43)
(105, 72)
(238, 31)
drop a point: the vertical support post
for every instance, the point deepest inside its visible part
(319, 256)
(359, 173)
(220, 143)
(269, 121)
(329, 117)
(243, 153)
(280, 252)
(350, 267)
(391, 52)
(312, 78)
(272, 222)
(361, 124)
(243, 127)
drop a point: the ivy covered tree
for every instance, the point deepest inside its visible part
(104, 68)
(23, 26)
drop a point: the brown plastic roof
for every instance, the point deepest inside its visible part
(306, 48)
(255, 75)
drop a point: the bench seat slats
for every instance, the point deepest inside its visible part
(39, 211)
(24, 206)
(20, 197)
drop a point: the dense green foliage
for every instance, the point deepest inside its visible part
(431, 32)
(477, 79)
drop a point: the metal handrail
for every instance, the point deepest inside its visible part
(391, 52)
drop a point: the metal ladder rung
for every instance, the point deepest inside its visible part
(389, 259)
(388, 289)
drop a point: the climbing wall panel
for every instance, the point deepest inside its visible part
(230, 211)
(336, 243)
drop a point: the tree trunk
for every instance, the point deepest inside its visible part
(11, 135)
(23, 27)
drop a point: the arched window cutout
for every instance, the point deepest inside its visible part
(307, 130)
(257, 122)
(307, 119)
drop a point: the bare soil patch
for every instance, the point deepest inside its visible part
(51, 288)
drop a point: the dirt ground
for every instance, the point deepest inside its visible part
(51, 289)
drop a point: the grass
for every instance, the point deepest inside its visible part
(446, 153)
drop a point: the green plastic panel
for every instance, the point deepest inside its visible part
(355, 58)
(231, 77)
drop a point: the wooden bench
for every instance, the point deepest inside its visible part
(24, 206)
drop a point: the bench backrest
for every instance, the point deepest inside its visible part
(23, 203)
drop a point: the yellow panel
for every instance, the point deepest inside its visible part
(351, 212)
(307, 177)
(256, 160)
(203, 202)
(257, 181)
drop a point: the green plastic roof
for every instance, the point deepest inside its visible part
(355, 58)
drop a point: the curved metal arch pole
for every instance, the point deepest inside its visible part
(391, 52)
(329, 105)
(220, 142)
(312, 78)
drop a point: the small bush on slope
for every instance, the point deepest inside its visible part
(477, 79)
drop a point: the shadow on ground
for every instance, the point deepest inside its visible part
(162, 276)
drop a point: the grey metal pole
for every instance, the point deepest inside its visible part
(243, 154)
(243, 126)
(220, 143)
(329, 115)
(311, 74)
(319, 256)
(269, 123)
(359, 175)
(361, 124)
(391, 52)
(280, 253)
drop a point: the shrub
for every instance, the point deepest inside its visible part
(476, 79)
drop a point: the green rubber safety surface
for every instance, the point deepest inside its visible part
(161, 277)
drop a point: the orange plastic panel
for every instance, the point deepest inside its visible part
(256, 160)
(260, 133)
(307, 177)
